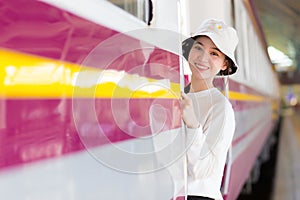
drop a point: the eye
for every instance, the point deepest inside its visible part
(198, 47)
(214, 53)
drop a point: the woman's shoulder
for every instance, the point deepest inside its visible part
(213, 96)
(220, 100)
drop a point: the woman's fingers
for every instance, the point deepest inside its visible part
(187, 112)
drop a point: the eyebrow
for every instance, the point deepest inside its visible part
(215, 48)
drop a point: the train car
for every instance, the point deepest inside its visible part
(90, 91)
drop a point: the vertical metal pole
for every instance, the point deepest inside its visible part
(181, 5)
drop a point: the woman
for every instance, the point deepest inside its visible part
(206, 112)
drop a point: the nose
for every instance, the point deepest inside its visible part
(204, 56)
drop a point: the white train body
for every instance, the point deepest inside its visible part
(82, 82)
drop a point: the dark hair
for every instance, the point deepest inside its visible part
(186, 48)
(231, 68)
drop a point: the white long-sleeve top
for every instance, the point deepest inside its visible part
(208, 144)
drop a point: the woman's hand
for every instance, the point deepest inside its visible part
(187, 112)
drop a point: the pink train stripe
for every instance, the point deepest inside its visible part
(243, 164)
(54, 33)
(36, 129)
(238, 87)
(43, 129)
(245, 134)
(39, 129)
(50, 32)
(246, 105)
(240, 105)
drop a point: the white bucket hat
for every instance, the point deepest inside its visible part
(222, 35)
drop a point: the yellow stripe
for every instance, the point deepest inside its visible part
(245, 97)
(27, 76)
(248, 97)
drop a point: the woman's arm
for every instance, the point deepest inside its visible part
(209, 143)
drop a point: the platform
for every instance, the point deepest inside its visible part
(287, 175)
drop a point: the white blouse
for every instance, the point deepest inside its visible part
(208, 145)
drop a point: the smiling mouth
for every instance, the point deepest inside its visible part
(199, 66)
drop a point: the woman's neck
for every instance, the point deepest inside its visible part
(198, 85)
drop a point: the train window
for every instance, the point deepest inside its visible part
(141, 9)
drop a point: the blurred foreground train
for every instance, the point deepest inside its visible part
(82, 82)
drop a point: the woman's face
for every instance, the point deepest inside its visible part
(205, 59)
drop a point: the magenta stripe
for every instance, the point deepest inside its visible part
(42, 129)
(44, 30)
(240, 105)
(242, 165)
(246, 105)
(35, 129)
(245, 134)
(238, 87)
(47, 31)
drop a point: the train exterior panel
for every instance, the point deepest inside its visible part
(90, 90)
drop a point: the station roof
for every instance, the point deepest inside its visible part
(280, 21)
